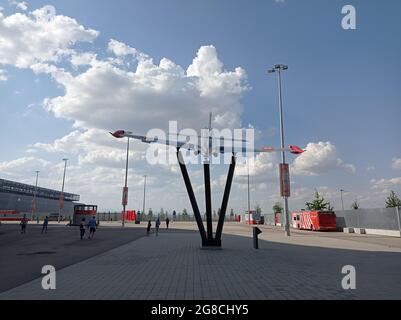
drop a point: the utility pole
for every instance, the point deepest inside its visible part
(249, 195)
(342, 201)
(125, 189)
(34, 197)
(278, 68)
(61, 207)
(144, 195)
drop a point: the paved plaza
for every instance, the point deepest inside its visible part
(172, 266)
(23, 256)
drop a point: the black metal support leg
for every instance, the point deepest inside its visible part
(226, 196)
(192, 198)
(206, 172)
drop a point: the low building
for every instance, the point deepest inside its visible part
(19, 197)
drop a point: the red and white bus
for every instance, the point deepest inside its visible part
(314, 220)
(82, 211)
(13, 215)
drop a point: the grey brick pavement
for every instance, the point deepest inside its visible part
(172, 266)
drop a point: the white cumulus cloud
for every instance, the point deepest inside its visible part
(3, 75)
(319, 158)
(261, 164)
(92, 147)
(22, 5)
(23, 167)
(396, 163)
(29, 38)
(108, 96)
(385, 184)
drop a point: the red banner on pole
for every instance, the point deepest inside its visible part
(125, 196)
(285, 180)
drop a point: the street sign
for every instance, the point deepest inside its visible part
(125, 196)
(285, 180)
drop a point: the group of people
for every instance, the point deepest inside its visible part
(91, 225)
(24, 223)
(157, 226)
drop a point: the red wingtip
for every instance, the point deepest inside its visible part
(118, 134)
(296, 150)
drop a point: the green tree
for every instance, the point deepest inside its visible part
(150, 213)
(185, 215)
(232, 212)
(258, 209)
(161, 215)
(277, 208)
(392, 200)
(355, 205)
(319, 204)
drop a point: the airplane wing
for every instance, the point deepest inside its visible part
(190, 146)
(179, 144)
(292, 149)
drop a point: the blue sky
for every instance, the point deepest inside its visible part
(342, 87)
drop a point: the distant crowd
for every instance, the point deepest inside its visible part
(90, 226)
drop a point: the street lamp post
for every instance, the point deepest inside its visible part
(61, 204)
(342, 200)
(34, 196)
(278, 68)
(125, 190)
(144, 195)
(249, 195)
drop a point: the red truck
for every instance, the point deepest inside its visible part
(314, 220)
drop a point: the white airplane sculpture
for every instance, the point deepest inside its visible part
(209, 239)
(197, 147)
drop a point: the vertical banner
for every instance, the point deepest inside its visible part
(125, 196)
(285, 180)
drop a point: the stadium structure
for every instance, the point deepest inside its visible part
(15, 196)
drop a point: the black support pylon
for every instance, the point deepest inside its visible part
(208, 200)
(207, 239)
(226, 196)
(191, 195)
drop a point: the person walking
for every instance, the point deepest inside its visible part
(92, 227)
(45, 224)
(24, 222)
(157, 226)
(82, 228)
(148, 228)
(167, 222)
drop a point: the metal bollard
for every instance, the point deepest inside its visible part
(256, 232)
